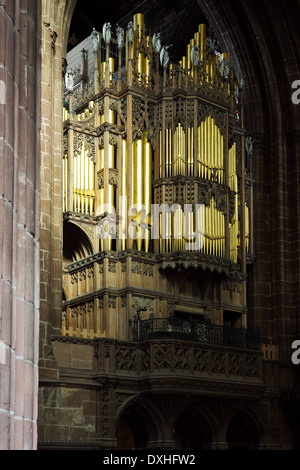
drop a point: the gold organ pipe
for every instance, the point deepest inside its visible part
(198, 156)
(170, 232)
(138, 21)
(220, 152)
(124, 193)
(212, 213)
(167, 152)
(212, 205)
(212, 143)
(183, 159)
(180, 231)
(192, 153)
(221, 159)
(181, 239)
(213, 226)
(160, 155)
(176, 230)
(183, 152)
(217, 150)
(217, 235)
(177, 150)
(205, 147)
(188, 57)
(202, 151)
(222, 228)
(209, 228)
(207, 153)
(147, 186)
(138, 184)
(202, 40)
(213, 146)
(179, 153)
(205, 228)
(216, 232)
(220, 215)
(222, 235)
(217, 147)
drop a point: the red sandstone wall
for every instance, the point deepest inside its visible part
(19, 221)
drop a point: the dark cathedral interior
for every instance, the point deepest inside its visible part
(169, 227)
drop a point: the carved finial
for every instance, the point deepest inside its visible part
(106, 32)
(164, 56)
(69, 81)
(130, 31)
(240, 80)
(120, 36)
(225, 67)
(156, 42)
(195, 55)
(249, 145)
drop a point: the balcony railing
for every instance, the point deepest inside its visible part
(191, 330)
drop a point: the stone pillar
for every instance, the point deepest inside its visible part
(19, 222)
(54, 33)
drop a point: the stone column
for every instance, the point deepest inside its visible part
(19, 222)
(56, 18)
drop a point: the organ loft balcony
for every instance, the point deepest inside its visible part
(168, 364)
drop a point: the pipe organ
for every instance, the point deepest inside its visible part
(154, 155)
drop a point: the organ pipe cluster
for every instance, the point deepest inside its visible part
(153, 122)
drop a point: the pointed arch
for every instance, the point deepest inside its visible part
(76, 243)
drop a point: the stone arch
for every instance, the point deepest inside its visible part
(142, 423)
(246, 430)
(192, 430)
